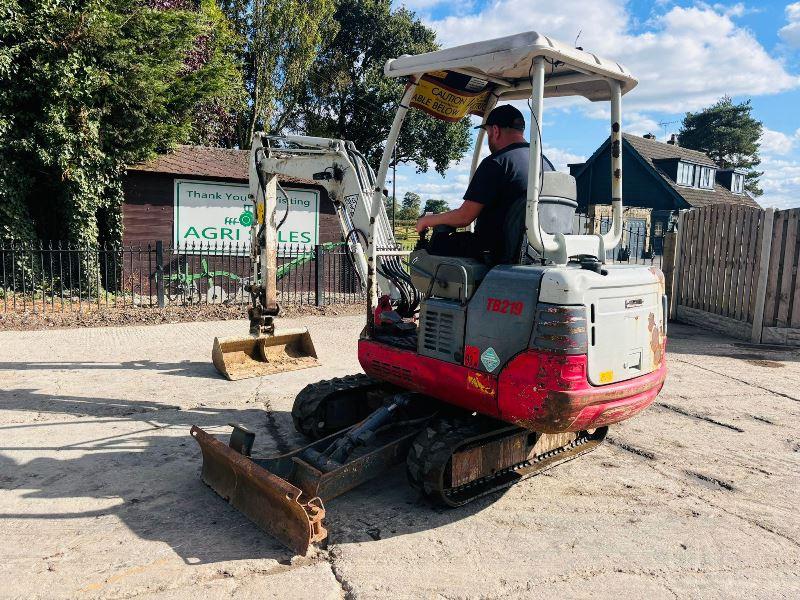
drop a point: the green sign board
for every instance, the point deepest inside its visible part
(216, 214)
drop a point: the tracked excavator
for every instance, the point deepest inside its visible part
(507, 370)
(344, 172)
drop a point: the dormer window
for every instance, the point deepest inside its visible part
(707, 178)
(685, 174)
(697, 176)
(737, 183)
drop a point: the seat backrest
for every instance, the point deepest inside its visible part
(557, 202)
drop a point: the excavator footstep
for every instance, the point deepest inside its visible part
(256, 355)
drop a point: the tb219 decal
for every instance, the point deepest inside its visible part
(506, 307)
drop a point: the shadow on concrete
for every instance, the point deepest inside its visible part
(156, 477)
(184, 368)
(689, 339)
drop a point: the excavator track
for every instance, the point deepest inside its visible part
(330, 405)
(449, 460)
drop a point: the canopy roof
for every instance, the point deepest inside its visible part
(507, 63)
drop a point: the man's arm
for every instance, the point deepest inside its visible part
(460, 217)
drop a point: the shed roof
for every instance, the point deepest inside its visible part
(206, 161)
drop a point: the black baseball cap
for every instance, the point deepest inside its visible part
(505, 116)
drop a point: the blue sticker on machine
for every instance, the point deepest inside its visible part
(490, 359)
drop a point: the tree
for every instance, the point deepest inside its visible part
(435, 206)
(729, 134)
(349, 97)
(87, 87)
(282, 39)
(388, 203)
(411, 206)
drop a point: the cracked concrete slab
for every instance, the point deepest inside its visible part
(100, 494)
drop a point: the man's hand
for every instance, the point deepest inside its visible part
(460, 217)
(423, 223)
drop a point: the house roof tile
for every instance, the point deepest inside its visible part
(652, 150)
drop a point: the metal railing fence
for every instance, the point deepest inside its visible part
(60, 276)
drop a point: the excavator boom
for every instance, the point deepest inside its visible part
(338, 167)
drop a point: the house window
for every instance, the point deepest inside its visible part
(706, 178)
(695, 176)
(737, 183)
(685, 174)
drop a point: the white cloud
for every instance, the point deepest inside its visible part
(561, 158)
(790, 33)
(688, 58)
(776, 142)
(781, 167)
(780, 182)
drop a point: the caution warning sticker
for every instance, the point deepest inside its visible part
(451, 96)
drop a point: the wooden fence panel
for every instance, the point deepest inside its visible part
(737, 279)
(712, 292)
(684, 224)
(730, 277)
(773, 280)
(795, 315)
(720, 251)
(735, 262)
(749, 255)
(741, 263)
(704, 225)
(723, 280)
(721, 259)
(788, 269)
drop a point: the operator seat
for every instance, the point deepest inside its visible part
(449, 277)
(457, 278)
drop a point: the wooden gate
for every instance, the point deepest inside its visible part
(781, 324)
(736, 272)
(719, 265)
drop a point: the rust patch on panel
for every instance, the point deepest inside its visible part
(656, 343)
(659, 278)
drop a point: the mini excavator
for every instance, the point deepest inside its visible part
(506, 370)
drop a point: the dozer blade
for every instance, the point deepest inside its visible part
(272, 503)
(255, 355)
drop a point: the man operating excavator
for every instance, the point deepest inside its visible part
(495, 198)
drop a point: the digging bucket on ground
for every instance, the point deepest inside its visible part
(256, 355)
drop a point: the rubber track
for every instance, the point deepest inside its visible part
(428, 460)
(306, 414)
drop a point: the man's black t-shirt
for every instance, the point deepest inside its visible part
(500, 183)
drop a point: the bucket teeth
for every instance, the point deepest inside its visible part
(272, 503)
(256, 355)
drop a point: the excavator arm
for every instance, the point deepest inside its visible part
(338, 167)
(344, 173)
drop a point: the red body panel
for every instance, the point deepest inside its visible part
(551, 393)
(538, 390)
(454, 384)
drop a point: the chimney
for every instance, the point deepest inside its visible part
(673, 140)
(649, 136)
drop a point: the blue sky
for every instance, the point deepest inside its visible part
(685, 54)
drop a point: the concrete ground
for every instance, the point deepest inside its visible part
(100, 491)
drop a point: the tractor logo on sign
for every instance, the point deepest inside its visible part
(490, 359)
(246, 218)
